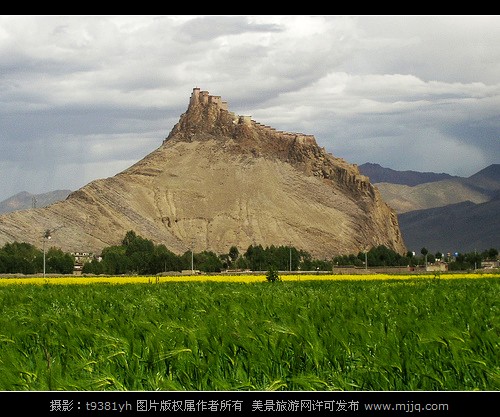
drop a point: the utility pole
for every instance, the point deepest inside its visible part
(192, 256)
(46, 236)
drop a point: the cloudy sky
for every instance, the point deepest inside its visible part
(84, 97)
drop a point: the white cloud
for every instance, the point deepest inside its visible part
(365, 86)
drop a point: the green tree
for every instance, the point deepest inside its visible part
(20, 257)
(95, 267)
(347, 260)
(226, 261)
(59, 262)
(424, 252)
(256, 258)
(241, 263)
(474, 260)
(383, 256)
(208, 261)
(490, 254)
(465, 261)
(165, 260)
(233, 253)
(115, 261)
(140, 252)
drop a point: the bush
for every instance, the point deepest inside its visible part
(272, 275)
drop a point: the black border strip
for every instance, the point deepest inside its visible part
(242, 403)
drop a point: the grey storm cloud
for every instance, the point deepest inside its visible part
(84, 97)
(206, 28)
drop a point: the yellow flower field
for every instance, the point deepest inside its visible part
(68, 280)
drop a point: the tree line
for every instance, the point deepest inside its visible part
(138, 255)
(141, 256)
(24, 258)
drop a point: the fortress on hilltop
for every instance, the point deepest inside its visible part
(204, 98)
(218, 109)
(220, 180)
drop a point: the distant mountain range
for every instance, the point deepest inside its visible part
(407, 191)
(442, 212)
(378, 174)
(25, 200)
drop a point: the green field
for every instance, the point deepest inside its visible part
(420, 334)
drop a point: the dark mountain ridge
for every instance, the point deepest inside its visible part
(377, 174)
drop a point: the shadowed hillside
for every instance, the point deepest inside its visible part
(462, 227)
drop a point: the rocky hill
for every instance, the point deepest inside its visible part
(220, 180)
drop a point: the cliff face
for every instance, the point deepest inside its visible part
(220, 180)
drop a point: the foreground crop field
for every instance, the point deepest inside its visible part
(252, 278)
(392, 334)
